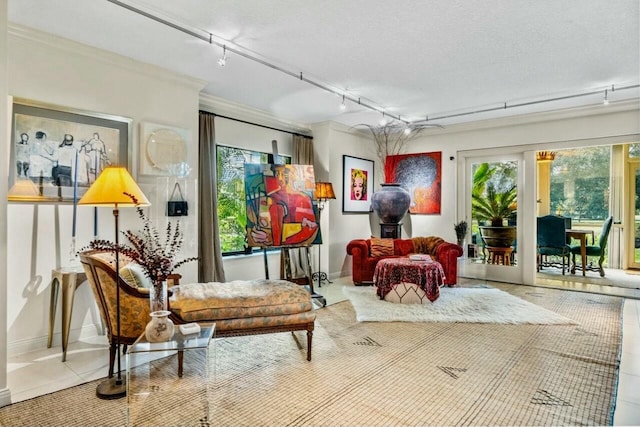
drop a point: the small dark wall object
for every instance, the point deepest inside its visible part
(392, 231)
(177, 207)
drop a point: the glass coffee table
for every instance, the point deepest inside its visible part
(154, 385)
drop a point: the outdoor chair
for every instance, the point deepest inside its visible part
(551, 240)
(598, 250)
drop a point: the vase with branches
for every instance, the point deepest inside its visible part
(391, 139)
(461, 231)
(157, 257)
(392, 202)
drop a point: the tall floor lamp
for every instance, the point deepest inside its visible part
(324, 192)
(109, 190)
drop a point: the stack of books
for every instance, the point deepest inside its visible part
(419, 257)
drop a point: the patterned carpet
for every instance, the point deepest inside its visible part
(383, 374)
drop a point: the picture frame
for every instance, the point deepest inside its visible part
(57, 152)
(357, 184)
(163, 150)
(421, 175)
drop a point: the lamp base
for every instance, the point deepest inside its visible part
(112, 388)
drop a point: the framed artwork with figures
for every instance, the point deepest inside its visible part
(357, 184)
(57, 152)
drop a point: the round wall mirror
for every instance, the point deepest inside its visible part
(165, 147)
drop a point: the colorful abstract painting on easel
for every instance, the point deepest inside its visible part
(279, 202)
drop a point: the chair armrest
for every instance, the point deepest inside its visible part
(358, 248)
(448, 249)
(173, 279)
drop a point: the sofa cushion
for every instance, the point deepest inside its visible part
(403, 247)
(239, 299)
(381, 247)
(134, 275)
(426, 245)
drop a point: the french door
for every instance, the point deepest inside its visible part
(633, 242)
(501, 173)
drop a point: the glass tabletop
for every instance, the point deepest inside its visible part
(178, 342)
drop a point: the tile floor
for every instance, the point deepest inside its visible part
(40, 372)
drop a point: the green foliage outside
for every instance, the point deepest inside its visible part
(580, 183)
(494, 191)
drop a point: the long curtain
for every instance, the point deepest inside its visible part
(302, 150)
(210, 268)
(302, 155)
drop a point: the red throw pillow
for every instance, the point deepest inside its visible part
(381, 247)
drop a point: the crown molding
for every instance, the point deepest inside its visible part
(74, 48)
(217, 105)
(545, 116)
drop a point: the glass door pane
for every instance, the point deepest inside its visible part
(494, 211)
(491, 205)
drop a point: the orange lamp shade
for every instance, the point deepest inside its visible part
(324, 191)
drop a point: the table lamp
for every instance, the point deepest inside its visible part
(114, 187)
(324, 192)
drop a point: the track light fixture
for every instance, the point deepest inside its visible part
(223, 60)
(208, 37)
(343, 106)
(606, 97)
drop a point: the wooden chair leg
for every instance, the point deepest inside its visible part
(600, 266)
(180, 362)
(112, 358)
(309, 339)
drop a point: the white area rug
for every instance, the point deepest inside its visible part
(471, 305)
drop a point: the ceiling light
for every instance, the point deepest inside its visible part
(223, 60)
(383, 120)
(343, 106)
(606, 97)
(407, 130)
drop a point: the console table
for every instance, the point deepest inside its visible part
(389, 272)
(67, 279)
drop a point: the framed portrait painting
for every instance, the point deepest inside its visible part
(57, 152)
(357, 184)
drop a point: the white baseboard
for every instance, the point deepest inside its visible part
(5, 397)
(15, 348)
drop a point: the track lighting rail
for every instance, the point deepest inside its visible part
(208, 37)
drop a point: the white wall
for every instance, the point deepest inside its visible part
(5, 395)
(56, 71)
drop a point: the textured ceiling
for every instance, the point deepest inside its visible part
(411, 58)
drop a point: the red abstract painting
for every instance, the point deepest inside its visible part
(421, 175)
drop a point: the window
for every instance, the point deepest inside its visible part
(580, 184)
(232, 215)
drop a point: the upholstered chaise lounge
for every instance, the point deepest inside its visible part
(365, 258)
(237, 308)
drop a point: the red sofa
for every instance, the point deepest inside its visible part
(444, 252)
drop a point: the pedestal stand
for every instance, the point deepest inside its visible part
(393, 231)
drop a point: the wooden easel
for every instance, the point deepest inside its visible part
(305, 280)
